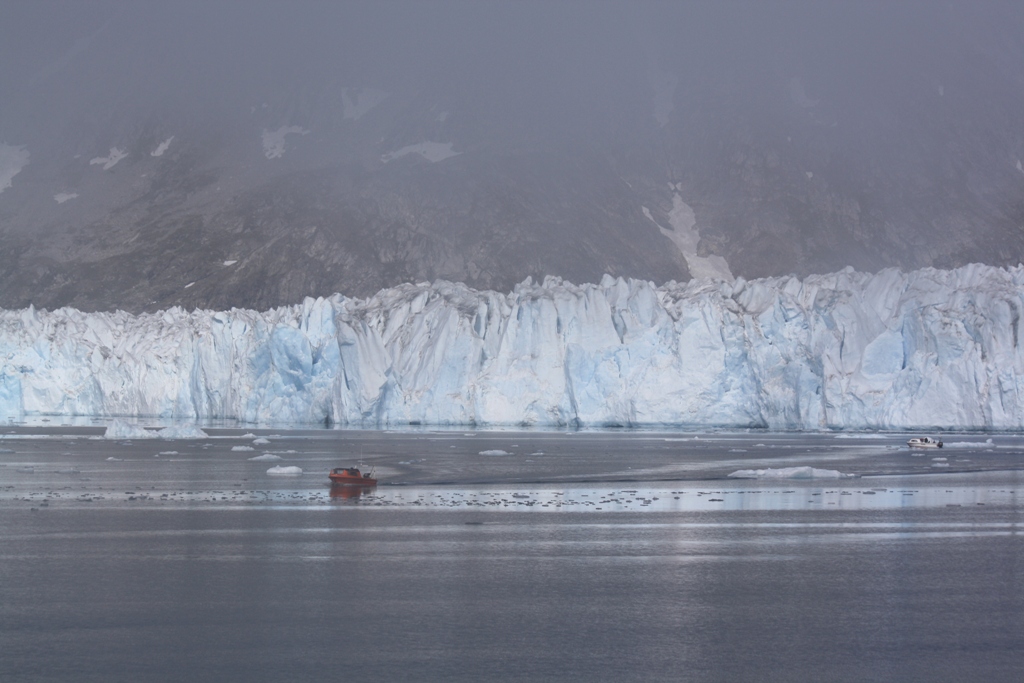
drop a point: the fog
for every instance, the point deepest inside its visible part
(489, 141)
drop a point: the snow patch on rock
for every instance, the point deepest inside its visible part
(356, 102)
(431, 151)
(799, 95)
(108, 162)
(13, 158)
(162, 147)
(273, 141)
(686, 237)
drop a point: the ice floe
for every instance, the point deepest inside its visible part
(789, 473)
(285, 470)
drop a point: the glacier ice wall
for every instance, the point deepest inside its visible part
(844, 350)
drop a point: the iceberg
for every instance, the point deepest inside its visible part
(119, 429)
(284, 470)
(182, 432)
(848, 350)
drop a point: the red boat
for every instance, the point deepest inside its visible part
(351, 476)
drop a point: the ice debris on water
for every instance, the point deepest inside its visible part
(285, 470)
(846, 350)
(120, 429)
(495, 452)
(265, 457)
(242, 448)
(790, 473)
(261, 442)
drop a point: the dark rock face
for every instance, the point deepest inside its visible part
(178, 157)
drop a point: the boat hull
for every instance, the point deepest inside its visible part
(349, 480)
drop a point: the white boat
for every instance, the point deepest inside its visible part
(924, 442)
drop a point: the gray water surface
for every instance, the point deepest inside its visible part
(576, 557)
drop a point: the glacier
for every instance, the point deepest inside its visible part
(847, 350)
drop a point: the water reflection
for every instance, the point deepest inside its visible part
(349, 491)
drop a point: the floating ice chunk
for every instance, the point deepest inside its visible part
(162, 147)
(266, 457)
(790, 473)
(62, 197)
(495, 452)
(248, 435)
(273, 141)
(113, 459)
(12, 159)
(189, 285)
(183, 432)
(242, 448)
(111, 160)
(861, 436)
(285, 470)
(230, 263)
(119, 429)
(168, 452)
(6, 450)
(987, 443)
(260, 442)
(431, 151)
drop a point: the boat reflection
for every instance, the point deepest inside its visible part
(349, 491)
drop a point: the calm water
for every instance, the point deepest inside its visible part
(586, 557)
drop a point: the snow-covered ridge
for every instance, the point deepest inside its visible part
(846, 350)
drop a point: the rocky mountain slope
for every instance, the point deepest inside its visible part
(206, 156)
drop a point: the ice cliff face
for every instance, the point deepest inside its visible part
(846, 350)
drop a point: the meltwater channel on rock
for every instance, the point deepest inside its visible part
(844, 350)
